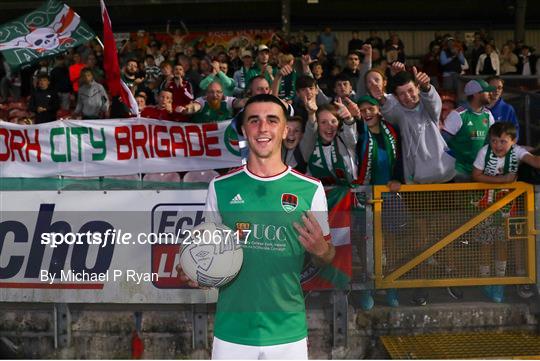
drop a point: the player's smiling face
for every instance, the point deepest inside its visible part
(265, 128)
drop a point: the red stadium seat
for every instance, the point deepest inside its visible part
(162, 177)
(200, 176)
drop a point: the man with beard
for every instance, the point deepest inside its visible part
(240, 75)
(129, 75)
(181, 91)
(219, 74)
(262, 67)
(466, 128)
(214, 107)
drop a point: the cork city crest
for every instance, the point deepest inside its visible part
(289, 202)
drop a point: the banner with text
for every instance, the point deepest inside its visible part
(89, 148)
(49, 250)
(130, 264)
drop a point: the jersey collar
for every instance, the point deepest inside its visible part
(267, 179)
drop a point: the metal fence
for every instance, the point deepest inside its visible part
(454, 235)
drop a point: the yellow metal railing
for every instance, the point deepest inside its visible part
(456, 234)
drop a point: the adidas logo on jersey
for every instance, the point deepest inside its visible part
(469, 123)
(237, 199)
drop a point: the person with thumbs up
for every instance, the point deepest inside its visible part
(331, 133)
(415, 107)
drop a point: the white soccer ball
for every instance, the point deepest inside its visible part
(211, 255)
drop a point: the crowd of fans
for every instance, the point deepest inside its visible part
(368, 121)
(188, 70)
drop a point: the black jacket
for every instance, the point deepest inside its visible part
(532, 63)
(47, 99)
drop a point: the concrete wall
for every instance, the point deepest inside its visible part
(167, 330)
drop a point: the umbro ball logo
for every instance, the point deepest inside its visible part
(289, 202)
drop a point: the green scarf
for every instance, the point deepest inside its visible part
(490, 196)
(511, 162)
(370, 149)
(318, 166)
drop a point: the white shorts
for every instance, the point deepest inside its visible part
(223, 350)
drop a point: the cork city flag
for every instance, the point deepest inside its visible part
(338, 274)
(49, 30)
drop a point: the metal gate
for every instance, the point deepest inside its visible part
(458, 234)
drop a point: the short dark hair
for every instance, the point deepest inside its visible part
(87, 70)
(43, 76)
(267, 98)
(314, 64)
(342, 77)
(305, 81)
(500, 128)
(259, 98)
(495, 77)
(298, 119)
(402, 78)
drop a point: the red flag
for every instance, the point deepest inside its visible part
(110, 64)
(337, 274)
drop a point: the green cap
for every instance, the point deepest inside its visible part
(367, 99)
(477, 86)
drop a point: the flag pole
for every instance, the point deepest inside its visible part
(99, 42)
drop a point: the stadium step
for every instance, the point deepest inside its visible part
(469, 345)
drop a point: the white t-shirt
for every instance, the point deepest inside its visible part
(480, 161)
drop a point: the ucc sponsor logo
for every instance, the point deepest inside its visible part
(263, 231)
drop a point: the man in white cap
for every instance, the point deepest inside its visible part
(262, 67)
(466, 128)
(240, 75)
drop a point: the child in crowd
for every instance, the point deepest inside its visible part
(332, 159)
(379, 156)
(291, 153)
(497, 162)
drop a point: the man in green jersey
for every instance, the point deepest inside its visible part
(261, 313)
(262, 66)
(465, 128)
